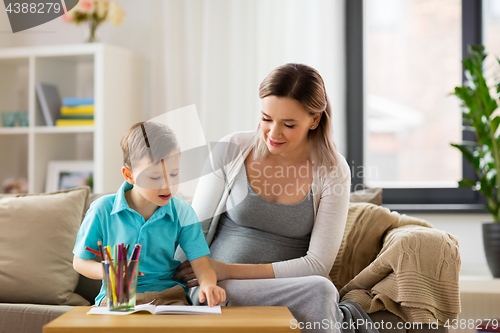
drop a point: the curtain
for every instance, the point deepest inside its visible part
(215, 53)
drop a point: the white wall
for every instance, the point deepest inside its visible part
(216, 53)
(469, 231)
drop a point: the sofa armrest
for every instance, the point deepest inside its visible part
(415, 276)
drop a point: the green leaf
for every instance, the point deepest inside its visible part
(475, 49)
(486, 187)
(468, 64)
(467, 183)
(494, 123)
(473, 160)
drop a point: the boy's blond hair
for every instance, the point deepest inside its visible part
(147, 139)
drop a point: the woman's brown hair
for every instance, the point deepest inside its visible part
(304, 84)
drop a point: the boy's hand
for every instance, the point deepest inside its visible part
(214, 294)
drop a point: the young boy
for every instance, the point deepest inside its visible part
(144, 211)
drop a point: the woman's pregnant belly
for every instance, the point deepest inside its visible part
(236, 244)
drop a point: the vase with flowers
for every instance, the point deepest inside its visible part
(93, 13)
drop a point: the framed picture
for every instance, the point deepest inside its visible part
(64, 175)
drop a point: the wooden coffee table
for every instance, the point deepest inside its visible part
(233, 319)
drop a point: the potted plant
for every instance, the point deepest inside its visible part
(479, 100)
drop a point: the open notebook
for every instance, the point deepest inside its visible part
(159, 309)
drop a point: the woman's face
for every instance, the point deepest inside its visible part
(285, 124)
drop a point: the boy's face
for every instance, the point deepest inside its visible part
(157, 183)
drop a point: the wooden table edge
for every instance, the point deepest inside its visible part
(273, 319)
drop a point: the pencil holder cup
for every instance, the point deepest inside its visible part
(120, 281)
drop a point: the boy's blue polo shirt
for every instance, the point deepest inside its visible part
(111, 220)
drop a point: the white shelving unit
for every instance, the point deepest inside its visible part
(113, 76)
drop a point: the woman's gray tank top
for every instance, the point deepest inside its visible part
(258, 231)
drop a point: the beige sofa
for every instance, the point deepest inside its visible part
(38, 283)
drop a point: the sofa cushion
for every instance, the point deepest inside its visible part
(37, 236)
(93, 197)
(370, 195)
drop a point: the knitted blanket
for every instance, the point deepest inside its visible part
(391, 261)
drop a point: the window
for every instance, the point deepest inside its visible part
(491, 28)
(399, 132)
(413, 50)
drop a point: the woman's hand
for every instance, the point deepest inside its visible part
(189, 278)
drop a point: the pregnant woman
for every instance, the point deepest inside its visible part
(275, 208)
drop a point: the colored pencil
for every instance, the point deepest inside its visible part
(110, 258)
(99, 244)
(118, 258)
(135, 256)
(112, 281)
(116, 254)
(112, 274)
(110, 299)
(126, 285)
(93, 251)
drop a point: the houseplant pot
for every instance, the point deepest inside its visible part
(491, 241)
(479, 101)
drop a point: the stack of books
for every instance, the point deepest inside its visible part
(76, 112)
